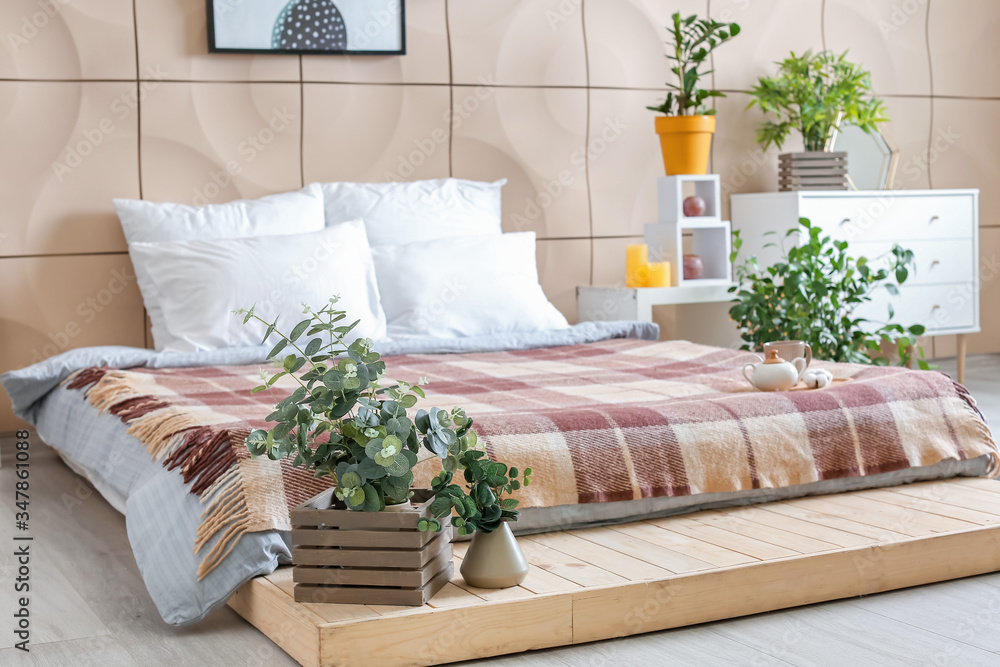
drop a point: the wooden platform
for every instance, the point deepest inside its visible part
(601, 583)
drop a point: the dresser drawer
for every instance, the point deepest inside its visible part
(942, 261)
(940, 308)
(891, 218)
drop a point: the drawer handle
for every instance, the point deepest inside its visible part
(935, 307)
(934, 218)
(935, 263)
(844, 222)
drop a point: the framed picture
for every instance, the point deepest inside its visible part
(335, 27)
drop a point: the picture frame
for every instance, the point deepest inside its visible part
(339, 27)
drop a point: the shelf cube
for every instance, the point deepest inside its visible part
(672, 190)
(710, 239)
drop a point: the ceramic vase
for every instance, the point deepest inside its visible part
(494, 560)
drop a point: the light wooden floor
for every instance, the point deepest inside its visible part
(90, 607)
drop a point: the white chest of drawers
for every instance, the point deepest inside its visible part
(941, 227)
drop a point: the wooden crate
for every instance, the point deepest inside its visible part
(350, 557)
(813, 170)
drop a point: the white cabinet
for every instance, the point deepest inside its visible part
(939, 226)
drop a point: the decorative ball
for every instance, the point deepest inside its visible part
(694, 206)
(694, 268)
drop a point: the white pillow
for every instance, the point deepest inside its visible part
(200, 283)
(399, 213)
(149, 222)
(467, 286)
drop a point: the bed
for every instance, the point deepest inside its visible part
(622, 430)
(617, 427)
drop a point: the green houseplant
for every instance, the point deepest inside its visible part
(686, 127)
(342, 421)
(812, 295)
(815, 93)
(346, 421)
(494, 560)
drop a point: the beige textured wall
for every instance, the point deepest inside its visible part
(110, 98)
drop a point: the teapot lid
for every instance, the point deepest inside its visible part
(773, 358)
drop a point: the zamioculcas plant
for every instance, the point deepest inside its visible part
(692, 40)
(687, 126)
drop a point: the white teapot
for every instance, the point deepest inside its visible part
(774, 373)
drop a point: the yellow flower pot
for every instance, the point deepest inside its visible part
(685, 141)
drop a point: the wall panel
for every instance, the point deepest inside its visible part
(62, 39)
(356, 132)
(69, 148)
(208, 143)
(51, 304)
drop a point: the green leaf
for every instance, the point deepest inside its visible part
(372, 502)
(441, 506)
(351, 480)
(277, 348)
(313, 347)
(356, 497)
(299, 329)
(398, 466)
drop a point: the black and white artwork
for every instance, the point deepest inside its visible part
(356, 27)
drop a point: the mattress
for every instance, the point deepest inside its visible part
(161, 514)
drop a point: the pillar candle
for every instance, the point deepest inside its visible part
(659, 274)
(636, 260)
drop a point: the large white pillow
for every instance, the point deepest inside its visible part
(200, 283)
(399, 213)
(466, 286)
(150, 222)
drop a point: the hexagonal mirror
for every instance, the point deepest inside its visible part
(871, 157)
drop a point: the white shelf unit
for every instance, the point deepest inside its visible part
(711, 240)
(636, 303)
(711, 236)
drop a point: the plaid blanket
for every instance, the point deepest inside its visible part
(602, 422)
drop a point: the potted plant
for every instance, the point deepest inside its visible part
(687, 126)
(815, 93)
(812, 295)
(494, 560)
(346, 422)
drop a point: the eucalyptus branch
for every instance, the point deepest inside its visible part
(343, 423)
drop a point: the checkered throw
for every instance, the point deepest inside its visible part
(601, 422)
